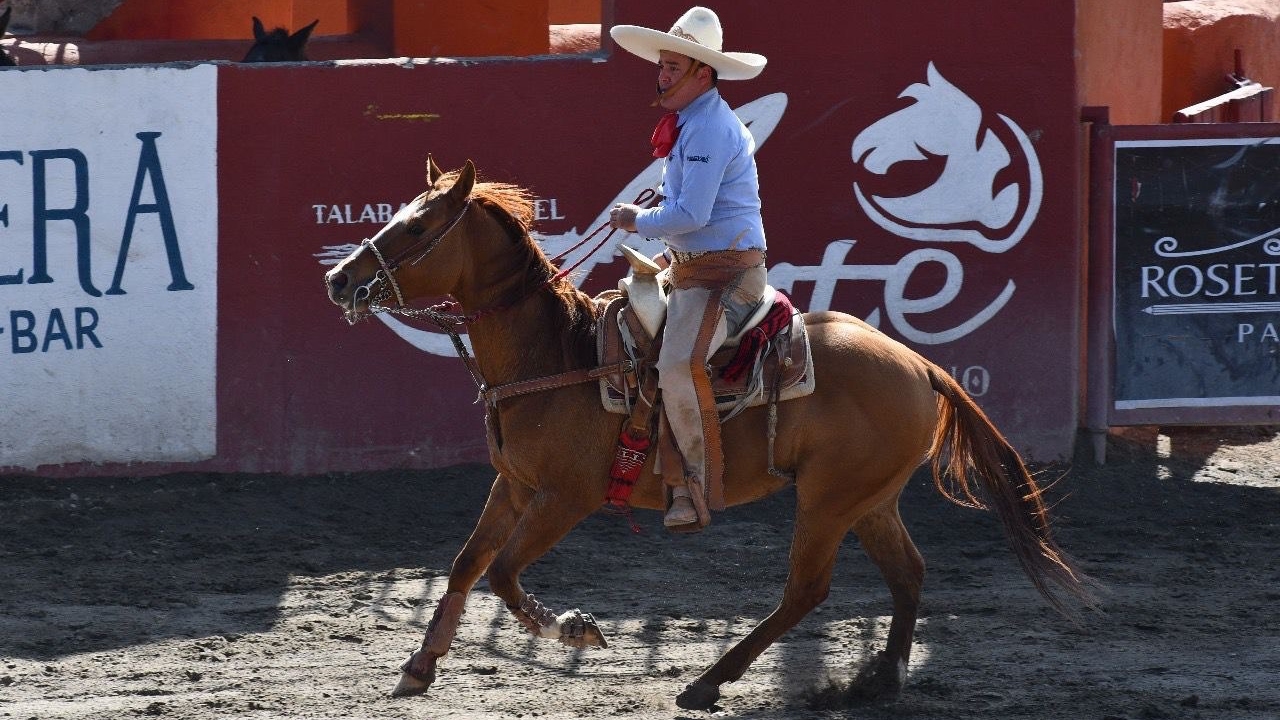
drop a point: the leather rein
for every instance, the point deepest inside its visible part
(448, 322)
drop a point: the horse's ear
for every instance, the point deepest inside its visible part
(433, 171)
(258, 31)
(461, 189)
(299, 38)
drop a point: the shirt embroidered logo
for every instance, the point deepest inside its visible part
(698, 158)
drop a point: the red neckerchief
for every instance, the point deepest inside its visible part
(664, 135)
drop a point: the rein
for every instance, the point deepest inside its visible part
(440, 315)
(645, 196)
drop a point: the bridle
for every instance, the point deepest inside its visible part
(448, 322)
(417, 250)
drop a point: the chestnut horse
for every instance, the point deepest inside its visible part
(878, 411)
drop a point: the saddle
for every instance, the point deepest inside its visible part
(752, 367)
(767, 360)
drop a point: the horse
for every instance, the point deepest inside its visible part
(879, 410)
(5, 59)
(278, 45)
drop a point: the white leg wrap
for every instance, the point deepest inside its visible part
(574, 628)
(552, 630)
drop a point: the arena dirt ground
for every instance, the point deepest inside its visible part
(203, 596)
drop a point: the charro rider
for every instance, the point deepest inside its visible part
(709, 219)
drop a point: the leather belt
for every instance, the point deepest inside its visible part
(681, 256)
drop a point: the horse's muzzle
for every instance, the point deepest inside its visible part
(347, 295)
(336, 283)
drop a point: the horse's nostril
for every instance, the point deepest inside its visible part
(337, 282)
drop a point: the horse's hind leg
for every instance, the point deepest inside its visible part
(813, 555)
(885, 540)
(506, 504)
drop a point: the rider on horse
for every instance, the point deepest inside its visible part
(709, 218)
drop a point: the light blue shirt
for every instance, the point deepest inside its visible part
(711, 193)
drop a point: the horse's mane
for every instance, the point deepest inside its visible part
(512, 205)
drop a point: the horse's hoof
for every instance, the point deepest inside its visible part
(880, 680)
(409, 686)
(580, 630)
(592, 635)
(698, 695)
(415, 676)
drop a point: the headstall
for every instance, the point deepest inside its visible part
(416, 250)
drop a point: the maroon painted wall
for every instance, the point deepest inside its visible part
(300, 391)
(576, 131)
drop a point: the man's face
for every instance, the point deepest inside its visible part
(672, 67)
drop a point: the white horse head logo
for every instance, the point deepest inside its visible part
(944, 130)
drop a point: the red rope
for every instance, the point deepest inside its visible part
(645, 196)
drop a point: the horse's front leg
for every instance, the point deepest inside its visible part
(504, 508)
(546, 521)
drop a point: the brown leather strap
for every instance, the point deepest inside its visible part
(640, 422)
(715, 269)
(494, 395)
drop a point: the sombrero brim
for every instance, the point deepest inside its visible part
(645, 43)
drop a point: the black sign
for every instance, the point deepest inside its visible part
(1197, 273)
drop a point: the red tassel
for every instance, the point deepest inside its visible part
(628, 459)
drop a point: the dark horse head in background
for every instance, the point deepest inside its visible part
(5, 60)
(278, 45)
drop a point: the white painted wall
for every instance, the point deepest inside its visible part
(116, 364)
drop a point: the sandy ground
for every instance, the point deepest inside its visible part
(200, 596)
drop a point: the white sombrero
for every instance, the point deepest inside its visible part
(697, 34)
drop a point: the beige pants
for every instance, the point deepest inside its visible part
(689, 321)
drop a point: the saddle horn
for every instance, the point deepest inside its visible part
(640, 264)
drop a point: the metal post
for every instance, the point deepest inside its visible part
(1100, 253)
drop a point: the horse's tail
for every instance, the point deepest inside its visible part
(966, 440)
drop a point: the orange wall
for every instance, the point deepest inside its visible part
(222, 20)
(430, 28)
(1200, 40)
(332, 15)
(568, 12)
(415, 28)
(1118, 58)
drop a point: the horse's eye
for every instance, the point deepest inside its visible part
(415, 228)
